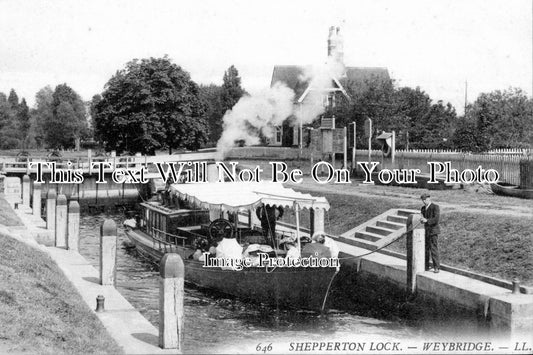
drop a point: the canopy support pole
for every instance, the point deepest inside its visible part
(297, 213)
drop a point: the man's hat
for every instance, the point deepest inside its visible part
(287, 240)
(424, 196)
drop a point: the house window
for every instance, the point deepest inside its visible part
(277, 135)
(328, 101)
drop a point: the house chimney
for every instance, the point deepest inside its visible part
(332, 41)
(336, 45)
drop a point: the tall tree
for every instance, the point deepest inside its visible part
(231, 88)
(149, 105)
(503, 119)
(42, 114)
(434, 130)
(211, 97)
(23, 120)
(409, 112)
(68, 121)
(9, 135)
(13, 99)
(465, 136)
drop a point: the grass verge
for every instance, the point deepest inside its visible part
(499, 245)
(40, 311)
(7, 216)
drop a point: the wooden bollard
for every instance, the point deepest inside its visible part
(61, 221)
(73, 230)
(51, 209)
(37, 199)
(171, 318)
(26, 190)
(108, 252)
(415, 250)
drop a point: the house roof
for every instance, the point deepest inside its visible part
(294, 77)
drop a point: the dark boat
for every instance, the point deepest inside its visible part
(164, 229)
(506, 189)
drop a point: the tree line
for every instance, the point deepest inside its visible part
(58, 120)
(500, 119)
(153, 104)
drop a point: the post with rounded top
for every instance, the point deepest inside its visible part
(61, 221)
(108, 252)
(37, 199)
(73, 230)
(171, 317)
(51, 209)
(26, 190)
(415, 250)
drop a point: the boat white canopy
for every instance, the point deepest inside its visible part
(238, 196)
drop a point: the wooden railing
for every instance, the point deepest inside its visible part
(10, 164)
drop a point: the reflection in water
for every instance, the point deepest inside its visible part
(215, 323)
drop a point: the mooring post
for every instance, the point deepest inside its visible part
(108, 252)
(171, 317)
(61, 221)
(415, 250)
(26, 190)
(51, 209)
(37, 199)
(73, 231)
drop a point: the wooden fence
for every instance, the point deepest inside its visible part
(507, 165)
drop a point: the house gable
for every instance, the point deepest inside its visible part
(293, 76)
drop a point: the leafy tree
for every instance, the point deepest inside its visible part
(409, 112)
(231, 88)
(67, 123)
(9, 136)
(149, 105)
(42, 114)
(503, 119)
(211, 97)
(13, 99)
(465, 136)
(23, 118)
(434, 130)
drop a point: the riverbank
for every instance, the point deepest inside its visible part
(40, 311)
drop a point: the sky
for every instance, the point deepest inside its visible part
(436, 45)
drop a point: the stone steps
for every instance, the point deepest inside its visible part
(379, 231)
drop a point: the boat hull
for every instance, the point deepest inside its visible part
(505, 189)
(301, 287)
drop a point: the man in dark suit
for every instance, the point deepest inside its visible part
(268, 215)
(430, 218)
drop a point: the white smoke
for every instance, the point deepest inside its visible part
(256, 114)
(260, 113)
(320, 79)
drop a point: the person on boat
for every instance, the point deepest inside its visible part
(201, 248)
(252, 252)
(430, 219)
(293, 253)
(316, 248)
(328, 242)
(268, 215)
(228, 248)
(130, 223)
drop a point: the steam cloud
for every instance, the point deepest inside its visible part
(260, 113)
(256, 114)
